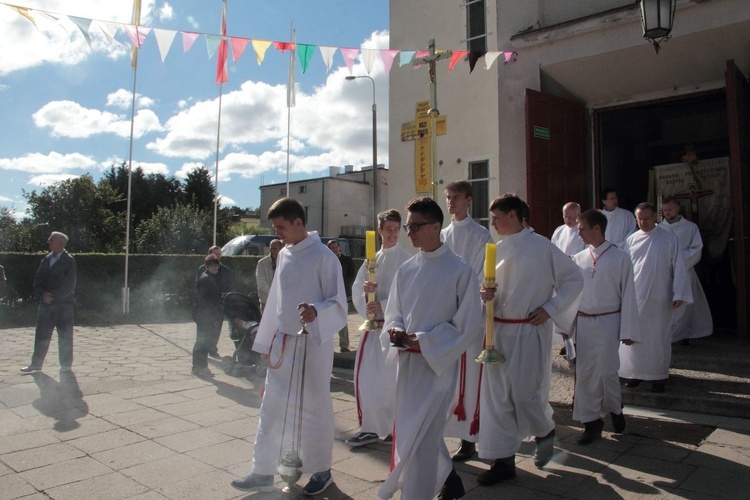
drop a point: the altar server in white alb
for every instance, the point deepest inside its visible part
(661, 285)
(607, 315)
(307, 287)
(467, 239)
(620, 222)
(690, 321)
(536, 283)
(374, 377)
(434, 309)
(566, 237)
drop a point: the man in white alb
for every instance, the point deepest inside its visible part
(467, 239)
(536, 282)
(661, 285)
(374, 376)
(434, 312)
(566, 236)
(307, 287)
(620, 222)
(694, 320)
(607, 315)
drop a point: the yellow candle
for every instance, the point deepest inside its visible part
(370, 244)
(489, 260)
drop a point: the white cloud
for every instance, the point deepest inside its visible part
(49, 179)
(330, 126)
(226, 201)
(165, 12)
(70, 119)
(5, 199)
(52, 163)
(123, 99)
(61, 42)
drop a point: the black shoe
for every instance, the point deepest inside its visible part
(453, 487)
(686, 343)
(502, 470)
(633, 382)
(618, 422)
(657, 387)
(214, 354)
(31, 369)
(345, 349)
(254, 482)
(563, 351)
(465, 452)
(545, 446)
(592, 431)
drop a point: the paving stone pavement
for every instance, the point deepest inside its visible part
(132, 422)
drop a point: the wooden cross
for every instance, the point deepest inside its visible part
(431, 60)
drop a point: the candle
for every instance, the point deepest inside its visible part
(489, 260)
(370, 244)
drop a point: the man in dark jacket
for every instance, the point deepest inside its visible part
(54, 285)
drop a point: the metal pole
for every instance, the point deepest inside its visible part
(374, 151)
(216, 179)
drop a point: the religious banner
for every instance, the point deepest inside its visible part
(703, 191)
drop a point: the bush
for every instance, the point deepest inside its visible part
(161, 287)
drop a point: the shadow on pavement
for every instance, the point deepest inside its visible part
(61, 400)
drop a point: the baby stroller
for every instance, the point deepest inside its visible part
(243, 316)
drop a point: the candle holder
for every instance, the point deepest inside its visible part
(303, 330)
(490, 355)
(370, 324)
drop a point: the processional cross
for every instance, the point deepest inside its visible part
(431, 60)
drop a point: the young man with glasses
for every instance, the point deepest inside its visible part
(435, 312)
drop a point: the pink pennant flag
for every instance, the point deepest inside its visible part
(455, 57)
(260, 47)
(510, 54)
(188, 39)
(238, 47)
(349, 56)
(284, 46)
(490, 58)
(222, 75)
(327, 53)
(388, 56)
(137, 34)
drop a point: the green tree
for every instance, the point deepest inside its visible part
(79, 208)
(147, 192)
(181, 229)
(199, 189)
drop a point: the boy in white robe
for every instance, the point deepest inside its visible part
(536, 282)
(467, 239)
(434, 311)
(607, 315)
(374, 378)
(694, 320)
(620, 222)
(307, 287)
(661, 285)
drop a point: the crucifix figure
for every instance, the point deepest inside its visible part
(431, 59)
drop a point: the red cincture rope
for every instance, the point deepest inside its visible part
(356, 375)
(460, 411)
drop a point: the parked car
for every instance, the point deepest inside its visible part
(257, 244)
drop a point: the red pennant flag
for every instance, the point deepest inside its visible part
(455, 56)
(221, 60)
(284, 46)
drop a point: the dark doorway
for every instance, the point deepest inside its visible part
(631, 140)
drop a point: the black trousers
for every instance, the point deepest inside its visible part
(48, 318)
(206, 338)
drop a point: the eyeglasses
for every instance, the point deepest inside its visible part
(415, 226)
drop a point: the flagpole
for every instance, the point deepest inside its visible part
(290, 102)
(220, 68)
(134, 63)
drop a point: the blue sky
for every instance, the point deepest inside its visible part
(65, 106)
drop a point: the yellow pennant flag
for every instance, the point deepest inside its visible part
(24, 12)
(260, 47)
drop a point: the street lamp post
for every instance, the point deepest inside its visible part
(374, 151)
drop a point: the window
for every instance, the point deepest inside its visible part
(302, 189)
(476, 26)
(282, 191)
(479, 177)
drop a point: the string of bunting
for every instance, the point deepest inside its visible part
(165, 38)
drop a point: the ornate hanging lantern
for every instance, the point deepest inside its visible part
(657, 18)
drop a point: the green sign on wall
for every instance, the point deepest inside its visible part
(541, 132)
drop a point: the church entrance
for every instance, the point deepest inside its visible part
(640, 150)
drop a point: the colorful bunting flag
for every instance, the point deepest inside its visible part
(327, 53)
(406, 57)
(305, 54)
(455, 57)
(260, 47)
(238, 47)
(83, 25)
(349, 56)
(221, 60)
(388, 56)
(368, 58)
(164, 39)
(188, 39)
